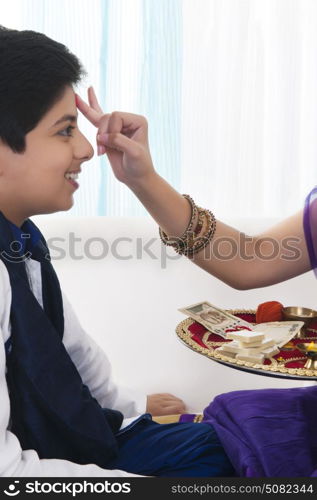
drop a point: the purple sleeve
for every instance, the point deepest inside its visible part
(310, 227)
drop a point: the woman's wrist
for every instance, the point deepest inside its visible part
(145, 184)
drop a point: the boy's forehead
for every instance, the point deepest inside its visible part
(63, 109)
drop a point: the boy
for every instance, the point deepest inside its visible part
(61, 414)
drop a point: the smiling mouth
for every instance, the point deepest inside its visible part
(71, 178)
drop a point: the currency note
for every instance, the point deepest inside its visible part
(214, 319)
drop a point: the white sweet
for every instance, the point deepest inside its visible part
(258, 347)
(222, 350)
(254, 352)
(272, 351)
(233, 346)
(255, 358)
(246, 336)
(250, 345)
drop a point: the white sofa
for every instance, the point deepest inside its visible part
(129, 304)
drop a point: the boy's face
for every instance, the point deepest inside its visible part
(34, 182)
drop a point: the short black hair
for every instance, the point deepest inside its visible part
(34, 73)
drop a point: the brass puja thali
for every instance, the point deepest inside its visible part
(297, 359)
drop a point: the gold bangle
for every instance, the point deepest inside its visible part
(203, 240)
(194, 245)
(192, 241)
(171, 241)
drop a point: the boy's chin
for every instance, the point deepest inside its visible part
(67, 205)
(61, 208)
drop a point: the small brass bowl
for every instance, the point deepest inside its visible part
(311, 362)
(299, 314)
(304, 314)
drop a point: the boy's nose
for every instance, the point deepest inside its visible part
(90, 152)
(83, 149)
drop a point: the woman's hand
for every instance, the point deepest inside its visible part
(123, 137)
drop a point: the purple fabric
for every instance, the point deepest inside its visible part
(310, 227)
(268, 432)
(187, 417)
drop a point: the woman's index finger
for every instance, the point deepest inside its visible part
(93, 101)
(91, 115)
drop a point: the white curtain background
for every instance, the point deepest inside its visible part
(229, 88)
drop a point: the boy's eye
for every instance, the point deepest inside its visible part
(67, 132)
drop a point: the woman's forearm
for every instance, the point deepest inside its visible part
(168, 208)
(172, 212)
(239, 260)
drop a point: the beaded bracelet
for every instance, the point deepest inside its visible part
(202, 241)
(192, 242)
(194, 245)
(170, 242)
